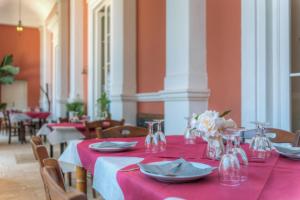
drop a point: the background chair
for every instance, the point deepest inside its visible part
(122, 132)
(283, 136)
(103, 124)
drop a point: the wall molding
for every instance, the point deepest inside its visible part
(175, 95)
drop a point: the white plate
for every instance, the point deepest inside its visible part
(292, 156)
(279, 146)
(285, 154)
(177, 179)
(95, 147)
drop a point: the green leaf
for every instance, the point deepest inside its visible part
(7, 60)
(104, 102)
(3, 106)
(76, 107)
(6, 79)
(9, 69)
(225, 113)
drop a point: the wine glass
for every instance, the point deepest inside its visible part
(260, 145)
(151, 142)
(160, 136)
(241, 154)
(229, 168)
(189, 133)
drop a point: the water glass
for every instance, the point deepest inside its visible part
(190, 135)
(229, 168)
(160, 136)
(241, 155)
(151, 143)
(260, 146)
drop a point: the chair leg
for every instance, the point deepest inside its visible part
(9, 136)
(69, 175)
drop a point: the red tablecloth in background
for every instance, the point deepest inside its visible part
(38, 115)
(278, 178)
(79, 126)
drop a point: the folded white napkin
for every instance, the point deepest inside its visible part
(286, 148)
(178, 167)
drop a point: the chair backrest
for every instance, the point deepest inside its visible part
(6, 116)
(41, 154)
(35, 141)
(51, 175)
(283, 136)
(122, 132)
(103, 124)
(63, 120)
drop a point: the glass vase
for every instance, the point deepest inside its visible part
(215, 147)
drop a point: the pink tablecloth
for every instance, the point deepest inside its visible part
(79, 126)
(275, 179)
(38, 115)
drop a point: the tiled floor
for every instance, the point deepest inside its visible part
(19, 172)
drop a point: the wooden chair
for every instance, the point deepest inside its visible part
(103, 124)
(63, 120)
(40, 153)
(13, 129)
(52, 179)
(283, 136)
(121, 132)
(35, 142)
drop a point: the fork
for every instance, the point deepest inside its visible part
(129, 170)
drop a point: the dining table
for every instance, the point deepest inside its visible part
(117, 176)
(61, 133)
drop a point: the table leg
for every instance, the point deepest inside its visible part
(62, 148)
(81, 179)
(51, 151)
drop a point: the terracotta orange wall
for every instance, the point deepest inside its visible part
(25, 47)
(151, 51)
(224, 55)
(85, 50)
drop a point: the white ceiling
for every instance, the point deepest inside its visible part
(34, 12)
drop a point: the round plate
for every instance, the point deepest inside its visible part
(177, 179)
(112, 149)
(291, 156)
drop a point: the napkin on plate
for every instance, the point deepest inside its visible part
(113, 144)
(178, 167)
(286, 148)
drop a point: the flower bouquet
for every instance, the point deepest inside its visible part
(210, 125)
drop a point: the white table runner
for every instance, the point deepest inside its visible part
(105, 174)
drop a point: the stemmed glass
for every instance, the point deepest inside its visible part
(241, 155)
(151, 142)
(189, 133)
(229, 168)
(260, 145)
(160, 136)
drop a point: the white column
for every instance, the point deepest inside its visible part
(91, 61)
(76, 49)
(62, 61)
(43, 65)
(186, 88)
(123, 66)
(266, 62)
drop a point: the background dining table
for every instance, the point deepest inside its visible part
(61, 133)
(277, 178)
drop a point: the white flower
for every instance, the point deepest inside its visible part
(208, 121)
(211, 123)
(229, 124)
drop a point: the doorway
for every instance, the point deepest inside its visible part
(15, 95)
